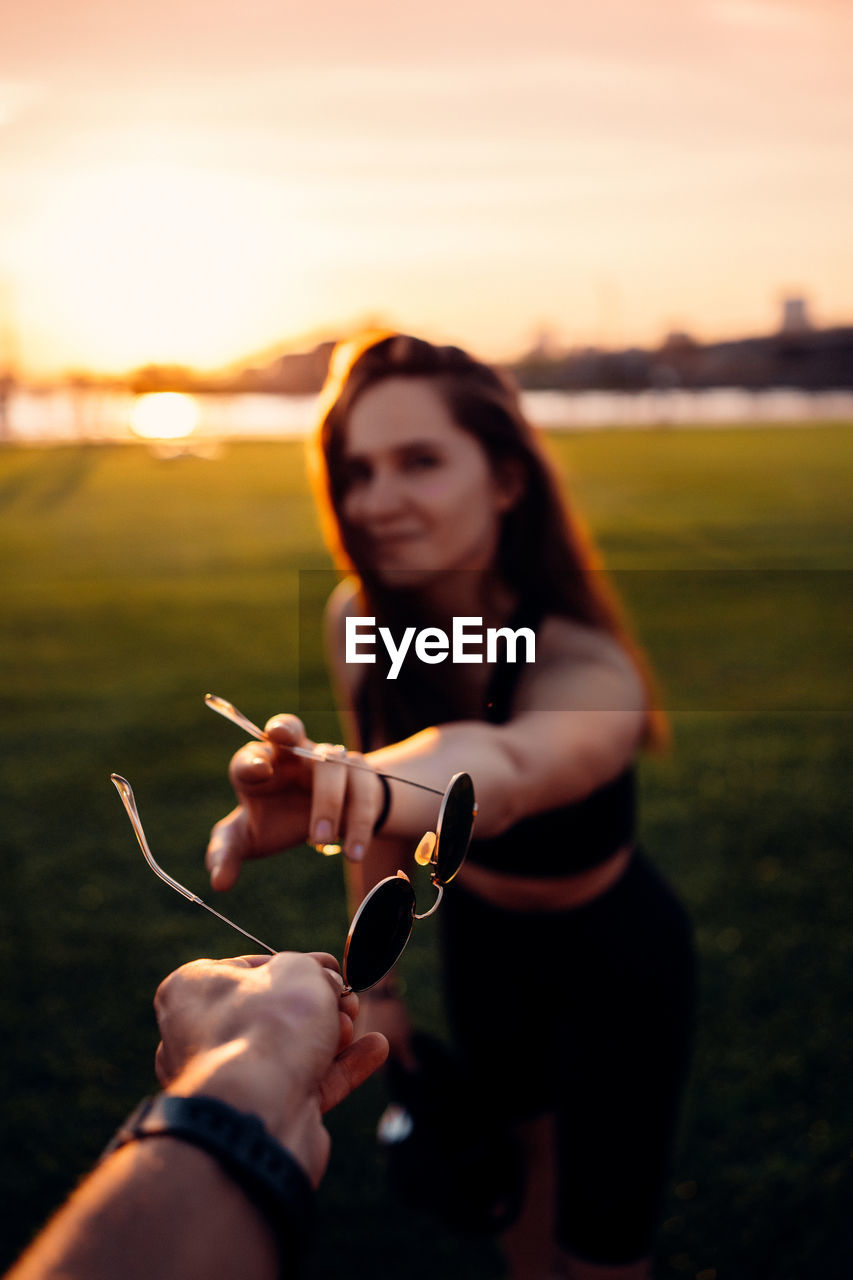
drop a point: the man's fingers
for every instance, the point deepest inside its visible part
(162, 1069)
(349, 1003)
(346, 1031)
(351, 1068)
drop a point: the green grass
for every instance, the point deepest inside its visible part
(133, 585)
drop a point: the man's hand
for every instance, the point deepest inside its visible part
(269, 1034)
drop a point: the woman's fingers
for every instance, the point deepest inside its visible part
(270, 765)
(345, 801)
(228, 847)
(279, 790)
(364, 803)
(287, 731)
(250, 765)
(274, 788)
(328, 796)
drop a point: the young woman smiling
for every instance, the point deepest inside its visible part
(567, 961)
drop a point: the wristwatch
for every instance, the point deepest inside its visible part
(265, 1170)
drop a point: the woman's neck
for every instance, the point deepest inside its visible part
(466, 593)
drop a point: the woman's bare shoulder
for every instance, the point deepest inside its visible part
(574, 656)
(560, 638)
(344, 602)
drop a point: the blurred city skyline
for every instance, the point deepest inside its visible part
(193, 184)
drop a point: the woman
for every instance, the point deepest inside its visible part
(568, 964)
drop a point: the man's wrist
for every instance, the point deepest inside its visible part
(238, 1141)
(250, 1081)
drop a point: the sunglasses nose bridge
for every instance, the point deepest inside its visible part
(425, 914)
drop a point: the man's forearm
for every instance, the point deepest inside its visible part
(159, 1207)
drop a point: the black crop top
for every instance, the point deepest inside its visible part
(573, 837)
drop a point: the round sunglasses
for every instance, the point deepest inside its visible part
(382, 925)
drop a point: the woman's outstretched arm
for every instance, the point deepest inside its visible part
(578, 717)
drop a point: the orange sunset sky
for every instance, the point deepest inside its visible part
(197, 180)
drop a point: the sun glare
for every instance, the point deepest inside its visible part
(157, 262)
(164, 415)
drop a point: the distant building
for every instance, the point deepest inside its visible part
(546, 346)
(296, 373)
(807, 358)
(795, 316)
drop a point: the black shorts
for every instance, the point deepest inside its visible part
(586, 1013)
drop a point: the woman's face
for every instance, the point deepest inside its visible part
(418, 489)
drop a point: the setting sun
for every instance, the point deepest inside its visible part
(164, 415)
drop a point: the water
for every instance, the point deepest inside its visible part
(71, 415)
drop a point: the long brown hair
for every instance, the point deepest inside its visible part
(545, 555)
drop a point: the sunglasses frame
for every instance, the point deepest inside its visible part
(459, 780)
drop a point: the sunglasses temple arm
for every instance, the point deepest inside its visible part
(230, 712)
(434, 906)
(128, 800)
(227, 709)
(366, 768)
(245, 933)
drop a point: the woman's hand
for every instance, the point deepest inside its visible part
(286, 800)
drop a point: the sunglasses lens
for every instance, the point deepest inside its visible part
(379, 932)
(455, 821)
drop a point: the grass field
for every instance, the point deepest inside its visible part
(133, 585)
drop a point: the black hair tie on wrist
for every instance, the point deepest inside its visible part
(386, 804)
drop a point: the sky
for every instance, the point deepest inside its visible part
(203, 183)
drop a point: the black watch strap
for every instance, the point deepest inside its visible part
(265, 1170)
